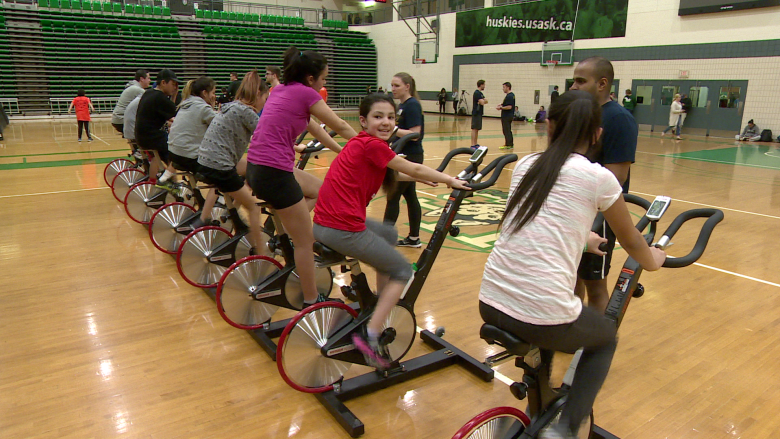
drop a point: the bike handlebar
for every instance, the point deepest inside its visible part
(457, 151)
(495, 166)
(399, 144)
(714, 216)
(315, 145)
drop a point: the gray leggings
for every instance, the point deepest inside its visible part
(591, 330)
(373, 246)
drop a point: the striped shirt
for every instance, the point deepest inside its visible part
(530, 274)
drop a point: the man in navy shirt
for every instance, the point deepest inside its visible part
(618, 141)
(507, 109)
(477, 111)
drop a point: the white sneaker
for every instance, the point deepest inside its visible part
(551, 432)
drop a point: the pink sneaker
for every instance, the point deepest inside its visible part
(373, 354)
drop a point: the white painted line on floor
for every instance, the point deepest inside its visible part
(95, 136)
(54, 192)
(738, 275)
(715, 207)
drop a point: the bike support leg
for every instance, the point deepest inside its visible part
(445, 355)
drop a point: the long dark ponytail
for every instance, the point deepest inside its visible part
(300, 65)
(576, 118)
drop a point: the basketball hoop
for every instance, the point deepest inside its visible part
(419, 61)
(551, 63)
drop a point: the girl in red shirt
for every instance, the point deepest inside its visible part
(364, 165)
(83, 108)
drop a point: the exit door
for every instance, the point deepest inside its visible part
(716, 105)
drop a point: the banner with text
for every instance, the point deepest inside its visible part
(545, 20)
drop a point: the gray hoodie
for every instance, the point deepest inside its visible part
(190, 126)
(133, 89)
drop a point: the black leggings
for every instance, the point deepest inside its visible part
(442, 104)
(84, 124)
(591, 331)
(407, 189)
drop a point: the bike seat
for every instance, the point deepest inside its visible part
(328, 255)
(510, 342)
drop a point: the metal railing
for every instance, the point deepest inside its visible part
(10, 105)
(414, 8)
(313, 16)
(350, 101)
(101, 105)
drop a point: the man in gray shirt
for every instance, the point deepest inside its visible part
(134, 88)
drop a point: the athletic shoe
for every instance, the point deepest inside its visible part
(553, 432)
(375, 355)
(168, 185)
(408, 242)
(506, 147)
(474, 147)
(79, 140)
(89, 140)
(137, 154)
(679, 138)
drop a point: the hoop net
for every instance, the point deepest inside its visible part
(551, 63)
(419, 61)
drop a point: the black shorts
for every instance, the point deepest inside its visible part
(278, 188)
(157, 144)
(119, 127)
(476, 122)
(225, 181)
(185, 164)
(594, 267)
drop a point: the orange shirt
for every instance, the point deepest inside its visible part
(81, 104)
(324, 94)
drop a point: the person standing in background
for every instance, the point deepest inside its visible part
(476, 112)
(83, 107)
(618, 151)
(233, 87)
(507, 109)
(272, 75)
(554, 95)
(442, 96)
(455, 99)
(629, 102)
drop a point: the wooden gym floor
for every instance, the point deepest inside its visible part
(100, 337)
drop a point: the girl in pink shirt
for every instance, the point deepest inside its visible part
(271, 171)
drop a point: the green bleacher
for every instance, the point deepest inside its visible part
(98, 46)
(7, 79)
(80, 7)
(99, 53)
(239, 47)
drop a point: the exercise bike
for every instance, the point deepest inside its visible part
(251, 291)
(206, 253)
(545, 403)
(170, 224)
(116, 166)
(316, 347)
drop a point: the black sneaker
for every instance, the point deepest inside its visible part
(409, 242)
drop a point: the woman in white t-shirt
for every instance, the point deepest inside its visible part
(528, 284)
